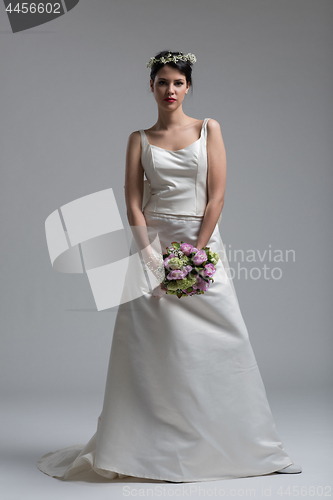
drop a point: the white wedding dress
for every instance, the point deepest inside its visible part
(184, 399)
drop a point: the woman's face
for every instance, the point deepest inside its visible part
(169, 82)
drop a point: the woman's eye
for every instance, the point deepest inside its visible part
(177, 83)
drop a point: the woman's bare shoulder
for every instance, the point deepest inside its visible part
(134, 140)
(213, 125)
(134, 136)
(214, 131)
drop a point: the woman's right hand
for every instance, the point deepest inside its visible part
(154, 262)
(158, 292)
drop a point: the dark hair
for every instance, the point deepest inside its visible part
(183, 66)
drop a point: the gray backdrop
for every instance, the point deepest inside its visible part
(72, 91)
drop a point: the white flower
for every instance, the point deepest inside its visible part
(181, 57)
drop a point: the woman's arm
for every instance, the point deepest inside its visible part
(133, 197)
(134, 191)
(216, 181)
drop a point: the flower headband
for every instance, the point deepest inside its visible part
(169, 58)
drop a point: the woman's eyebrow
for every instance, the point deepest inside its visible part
(176, 80)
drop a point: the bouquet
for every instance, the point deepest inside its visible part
(188, 270)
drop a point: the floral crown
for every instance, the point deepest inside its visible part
(169, 58)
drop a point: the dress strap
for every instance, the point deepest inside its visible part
(204, 128)
(144, 140)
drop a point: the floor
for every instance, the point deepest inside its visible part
(32, 426)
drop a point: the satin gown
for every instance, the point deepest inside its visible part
(184, 399)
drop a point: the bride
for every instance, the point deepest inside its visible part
(184, 399)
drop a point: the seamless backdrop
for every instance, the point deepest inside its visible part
(72, 91)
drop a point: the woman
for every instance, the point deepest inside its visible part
(184, 399)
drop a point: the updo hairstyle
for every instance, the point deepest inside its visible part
(184, 67)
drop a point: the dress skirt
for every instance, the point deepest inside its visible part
(184, 399)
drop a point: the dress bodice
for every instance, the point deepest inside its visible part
(176, 181)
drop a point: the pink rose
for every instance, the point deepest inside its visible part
(186, 248)
(209, 269)
(200, 257)
(176, 274)
(201, 284)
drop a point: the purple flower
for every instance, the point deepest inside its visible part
(209, 269)
(201, 284)
(176, 274)
(200, 257)
(195, 249)
(188, 268)
(166, 260)
(186, 248)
